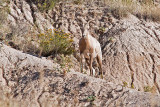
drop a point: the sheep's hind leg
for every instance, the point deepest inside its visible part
(100, 66)
(90, 66)
(93, 70)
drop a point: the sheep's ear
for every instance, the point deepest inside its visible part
(90, 21)
(86, 26)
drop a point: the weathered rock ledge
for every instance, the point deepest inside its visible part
(36, 82)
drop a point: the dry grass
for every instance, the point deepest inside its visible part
(6, 100)
(26, 43)
(120, 8)
(65, 63)
(150, 89)
(45, 5)
(43, 44)
(146, 9)
(149, 13)
(4, 10)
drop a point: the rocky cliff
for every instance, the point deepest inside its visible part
(26, 80)
(131, 58)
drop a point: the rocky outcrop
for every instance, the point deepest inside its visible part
(131, 52)
(26, 16)
(130, 46)
(36, 82)
(131, 57)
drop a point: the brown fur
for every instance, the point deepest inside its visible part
(87, 49)
(85, 46)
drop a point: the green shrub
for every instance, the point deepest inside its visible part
(125, 84)
(147, 2)
(132, 86)
(45, 5)
(101, 30)
(111, 39)
(57, 42)
(91, 98)
(147, 89)
(150, 89)
(77, 2)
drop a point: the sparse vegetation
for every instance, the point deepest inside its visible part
(59, 44)
(77, 2)
(27, 43)
(125, 84)
(65, 63)
(145, 9)
(101, 30)
(45, 5)
(147, 89)
(4, 10)
(6, 100)
(132, 86)
(120, 8)
(55, 42)
(51, 43)
(111, 39)
(91, 99)
(132, 78)
(150, 89)
(1, 46)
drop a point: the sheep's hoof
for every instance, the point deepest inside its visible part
(93, 72)
(64, 73)
(101, 76)
(81, 70)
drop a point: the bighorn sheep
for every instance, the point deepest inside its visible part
(90, 48)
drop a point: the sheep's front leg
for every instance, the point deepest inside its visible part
(90, 66)
(81, 63)
(99, 60)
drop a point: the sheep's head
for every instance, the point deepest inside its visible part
(85, 29)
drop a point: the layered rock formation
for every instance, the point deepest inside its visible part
(131, 52)
(131, 58)
(30, 81)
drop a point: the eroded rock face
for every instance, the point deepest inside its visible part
(28, 13)
(131, 55)
(64, 16)
(131, 47)
(131, 52)
(36, 82)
